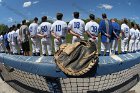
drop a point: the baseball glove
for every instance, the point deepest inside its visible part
(76, 59)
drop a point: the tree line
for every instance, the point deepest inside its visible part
(4, 28)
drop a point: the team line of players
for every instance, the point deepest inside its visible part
(40, 35)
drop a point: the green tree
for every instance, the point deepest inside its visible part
(3, 28)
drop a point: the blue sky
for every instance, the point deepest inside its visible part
(14, 11)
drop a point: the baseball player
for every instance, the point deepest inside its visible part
(91, 29)
(106, 29)
(35, 40)
(18, 39)
(14, 40)
(137, 33)
(6, 43)
(115, 37)
(9, 40)
(76, 28)
(125, 32)
(139, 39)
(24, 37)
(132, 38)
(59, 31)
(1, 43)
(44, 32)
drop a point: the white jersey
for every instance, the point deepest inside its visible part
(132, 33)
(77, 26)
(126, 30)
(92, 27)
(59, 28)
(9, 36)
(33, 29)
(44, 29)
(1, 38)
(137, 33)
(18, 36)
(14, 36)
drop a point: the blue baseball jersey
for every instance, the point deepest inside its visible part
(6, 43)
(116, 29)
(105, 26)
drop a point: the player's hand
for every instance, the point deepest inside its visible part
(45, 36)
(118, 38)
(78, 36)
(108, 35)
(93, 37)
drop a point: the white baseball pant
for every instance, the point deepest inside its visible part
(35, 45)
(105, 46)
(14, 48)
(131, 45)
(1, 47)
(11, 50)
(124, 44)
(19, 44)
(137, 45)
(46, 45)
(114, 46)
(57, 43)
(75, 39)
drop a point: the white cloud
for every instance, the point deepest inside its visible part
(129, 3)
(1, 2)
(105, 6)
(10, 19)
(135, 18)
(27, 4)
(52, 18)
(35, 2)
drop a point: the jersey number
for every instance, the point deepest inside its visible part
(94, 29)
(77, 25)
(58, 28)
(44, 28)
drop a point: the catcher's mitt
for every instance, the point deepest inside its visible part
(76, 59)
